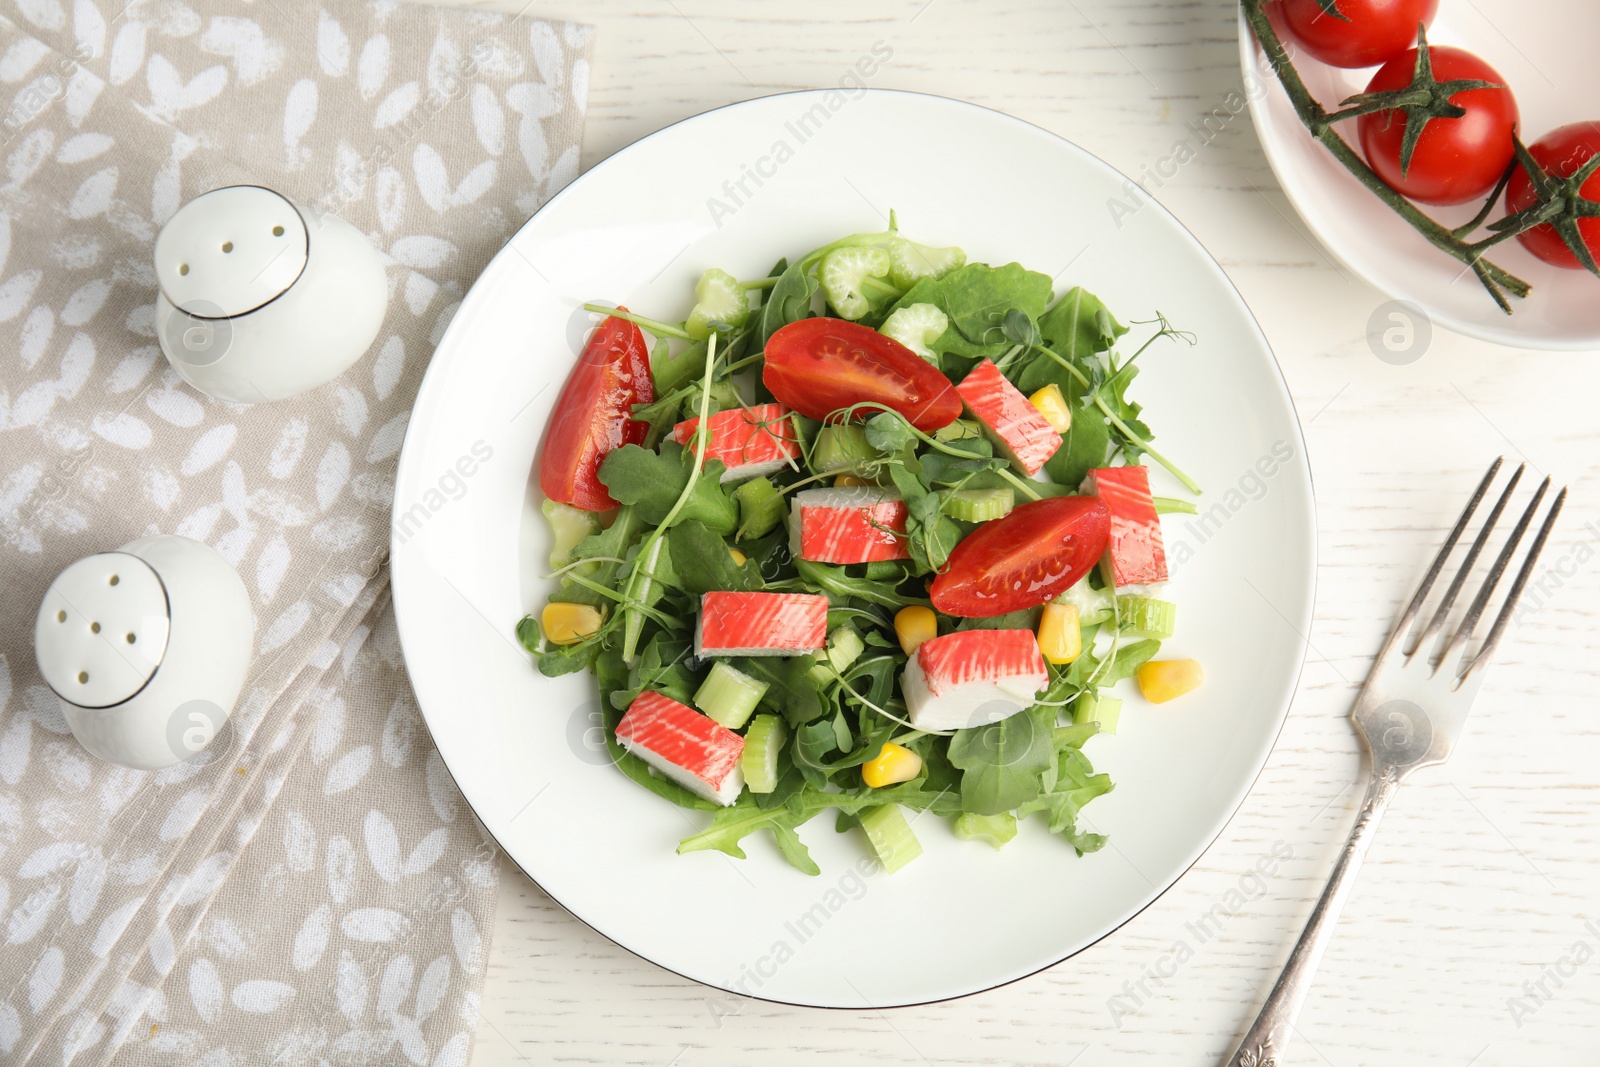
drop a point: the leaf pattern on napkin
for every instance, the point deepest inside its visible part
(308, 889)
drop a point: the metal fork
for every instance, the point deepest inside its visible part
(1410, 713)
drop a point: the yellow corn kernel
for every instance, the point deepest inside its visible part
(1053, 406)
(1060, 638)
(915, 625)
(850, 479)
(738, 557)
(567, 624)
(892, 765)
(1161, 680)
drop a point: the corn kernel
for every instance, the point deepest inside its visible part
(738, 557)
(915, 625)
(850, 479)
(1161, 680)
(567, 624)
(1053, 406)
(892, 765)
(1060, 638)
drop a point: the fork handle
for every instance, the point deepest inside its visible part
(1269, 1035)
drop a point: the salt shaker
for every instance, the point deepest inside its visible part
(261, 299)
(146, 648)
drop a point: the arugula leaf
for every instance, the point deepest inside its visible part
(931, 535)
(839, 586)
(1079, 324)
(701, 562)
(1003, 761)
(976, 299)
(653, 481)
(1070, 784)
(788, 301)
(1128, 659)
(612, 543)
(1087, 443)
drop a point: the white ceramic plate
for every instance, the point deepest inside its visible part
(1545, 53)
(469, 550)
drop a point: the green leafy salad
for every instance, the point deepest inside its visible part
(872, 536)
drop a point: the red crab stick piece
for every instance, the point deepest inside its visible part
(972, 677)
(1016, 427)
(749, 441)
(686, 746)
(853, 524)
(1134, 553)
(761, 624)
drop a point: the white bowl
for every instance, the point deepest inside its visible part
(1546, 54)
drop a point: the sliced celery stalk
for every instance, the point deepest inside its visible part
(729, 695)
(842, 449)
(890, 836)
(762, 744)
(1097, 708)
(1094, 605)
(978, 505)
(1144, 616)
(910, 262)
(994, 830)
(844, 648)
(760, 508)
(917, 326)
(568, 525)
(721, 306)
(847, 274)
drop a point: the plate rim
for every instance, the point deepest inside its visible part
(1271, 146)
(1312, 541)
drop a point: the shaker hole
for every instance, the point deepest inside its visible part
(94, 627)
(183, 268)
(227, 246)
(83, 677)
(277, 231)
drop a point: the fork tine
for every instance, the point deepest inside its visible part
(1470, 621)
(1403, 625)
(1449, 599)
(1507, 609)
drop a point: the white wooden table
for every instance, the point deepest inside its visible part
(1466, 941)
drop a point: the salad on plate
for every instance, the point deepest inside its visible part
(869, 536)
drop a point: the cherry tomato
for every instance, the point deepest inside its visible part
(1377, 30)
(1456, 160)
(591, 416)
(1560, 152)
(1024, 559)
(817, 366)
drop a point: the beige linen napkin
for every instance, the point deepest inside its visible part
(312, 889)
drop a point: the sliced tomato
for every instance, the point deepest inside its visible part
(1024, 559)
(818, 366)
(592, 415)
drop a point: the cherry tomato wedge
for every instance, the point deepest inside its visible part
(1024, 559)
(1455, 160)
(1560, 152)
(1371, 32)
(591, 415)
(817, 366)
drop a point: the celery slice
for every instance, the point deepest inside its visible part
(1144, 616)
(728, 695)
(1094, 605)
(890, 836)
(844, 648)
(760, 508)
(909, 261)
(845, 274)
(1096, 708)
(916, 326)
(978, 505)
(993, 830)
(762, 744)
(721, 305)
(568, 525)
(842, 449)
